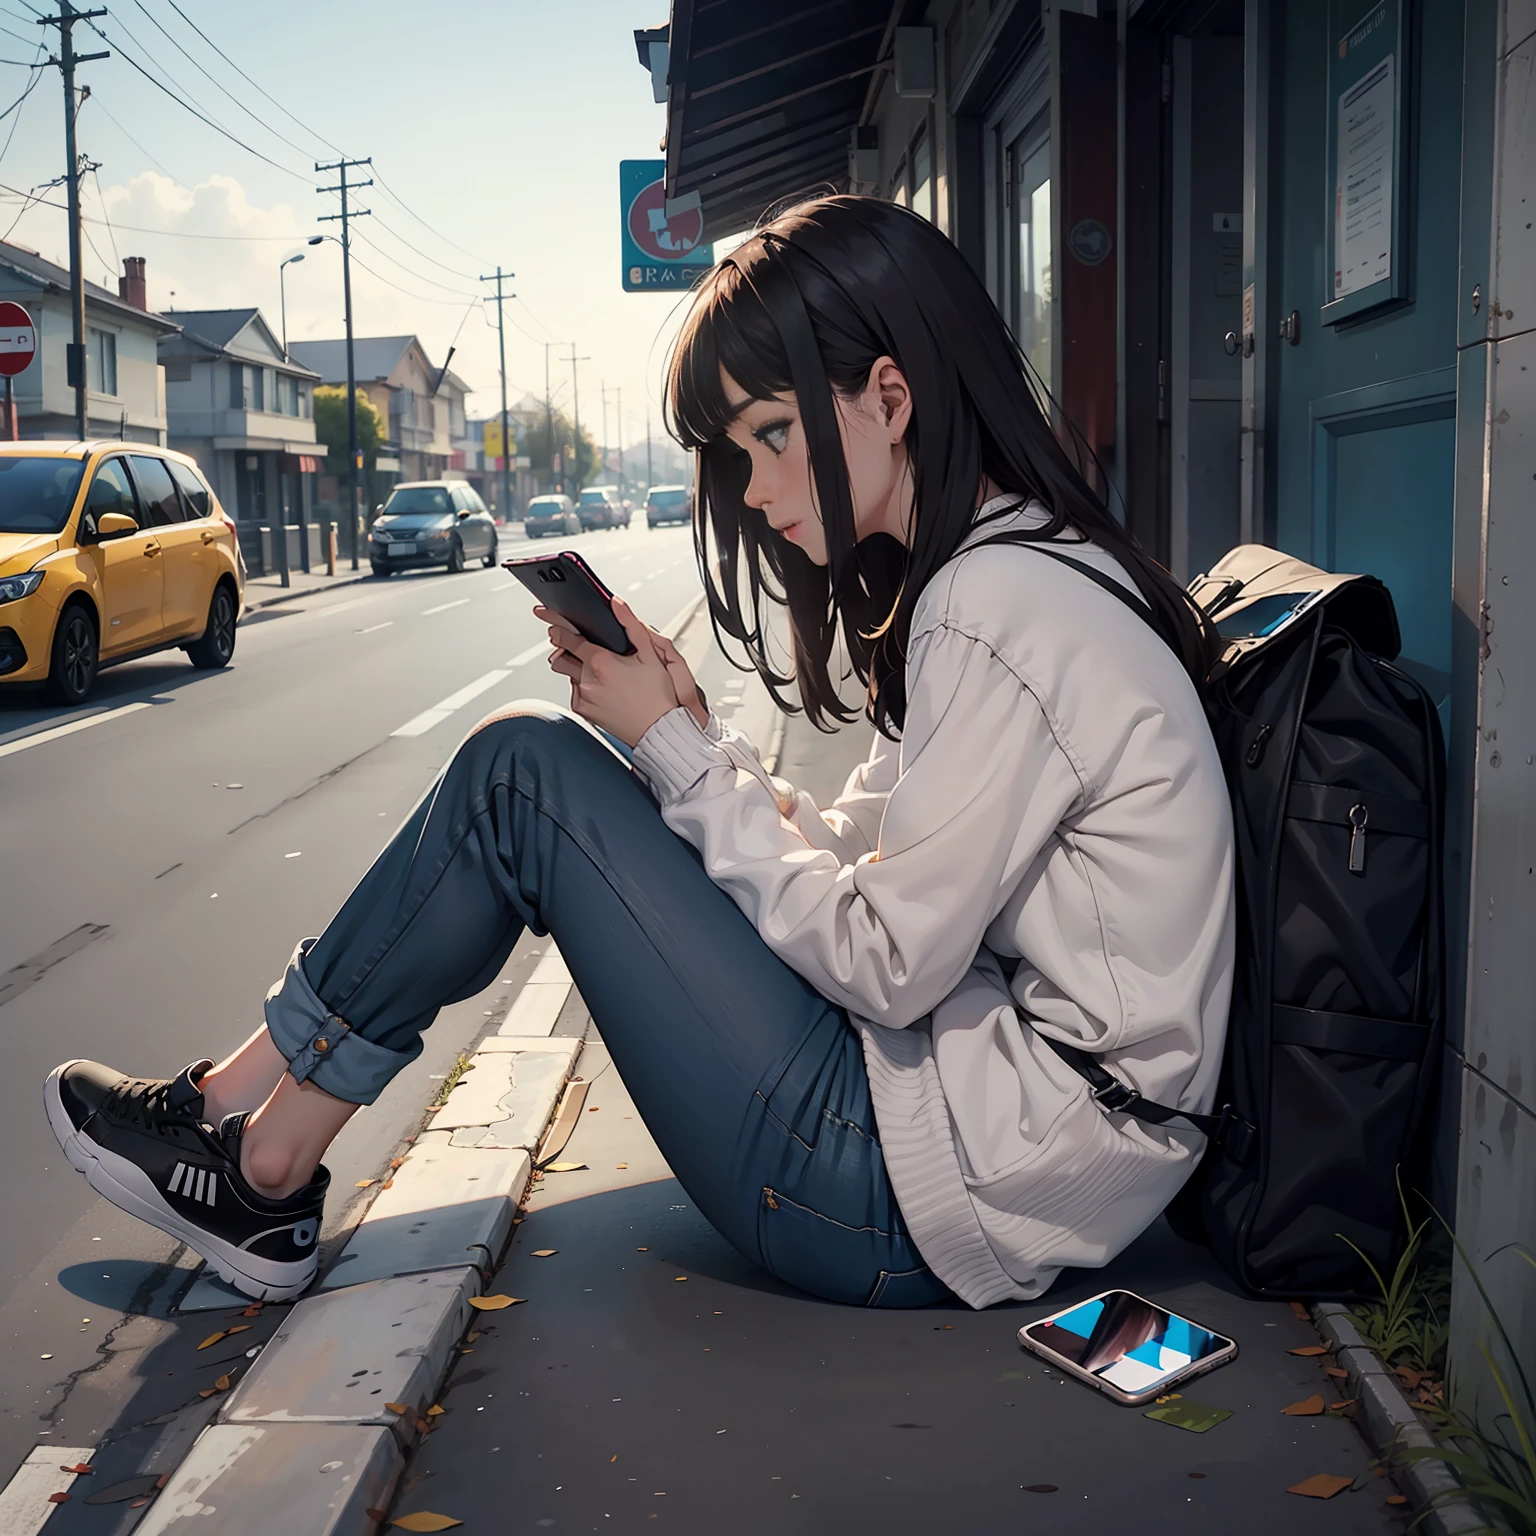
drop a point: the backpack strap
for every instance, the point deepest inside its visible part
(1226, 1130)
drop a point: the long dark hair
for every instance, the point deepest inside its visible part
(808, 305)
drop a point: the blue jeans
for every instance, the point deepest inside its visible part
(751, 1082)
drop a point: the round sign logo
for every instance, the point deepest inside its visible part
(661, 238)
(18, 340)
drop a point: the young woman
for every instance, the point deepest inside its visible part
(837, 1022)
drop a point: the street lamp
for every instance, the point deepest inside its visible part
(283, 297)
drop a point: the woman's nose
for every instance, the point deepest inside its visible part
(757, 494)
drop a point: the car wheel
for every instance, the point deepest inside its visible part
(455, 557)
(72, 670)
(491, 553)
(381, 570)
(217, 644)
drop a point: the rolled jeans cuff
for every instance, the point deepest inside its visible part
(321, 1047)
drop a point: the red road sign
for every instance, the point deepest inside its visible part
(18, 340)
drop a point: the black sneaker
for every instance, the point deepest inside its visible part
(141, 1143)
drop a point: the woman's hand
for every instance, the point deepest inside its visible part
(623, 695)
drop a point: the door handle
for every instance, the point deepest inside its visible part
(151, 549)
(209, 536)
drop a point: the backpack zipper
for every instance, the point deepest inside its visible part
(1256, 751)
(1358, 816)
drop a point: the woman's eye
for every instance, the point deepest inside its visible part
(774, 436)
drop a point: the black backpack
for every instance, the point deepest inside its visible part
(1335, 763)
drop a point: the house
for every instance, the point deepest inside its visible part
(422, 404)
(246, 414)
(1275, 264)
(126, 396)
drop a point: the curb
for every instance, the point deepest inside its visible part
(288, 594)
(1441, 1504)
(314, 1437)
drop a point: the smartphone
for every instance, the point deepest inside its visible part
(1129, 1348)
(1264, 616)
(567, 585)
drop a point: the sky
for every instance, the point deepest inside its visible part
(496, 129)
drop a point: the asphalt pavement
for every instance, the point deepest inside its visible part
(159, 862)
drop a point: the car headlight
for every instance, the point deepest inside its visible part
(12, 587)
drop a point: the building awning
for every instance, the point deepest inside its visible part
(304, 463)
(760, 105)
(309, 449)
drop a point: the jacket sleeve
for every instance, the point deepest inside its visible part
(981, 787)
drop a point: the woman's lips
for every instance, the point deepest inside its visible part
(789, 530)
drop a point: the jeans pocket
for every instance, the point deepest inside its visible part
(814, 1253)
(918, 1287)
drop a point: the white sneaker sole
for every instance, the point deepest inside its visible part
(130, 1189)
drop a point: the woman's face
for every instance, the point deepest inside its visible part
(873, 426)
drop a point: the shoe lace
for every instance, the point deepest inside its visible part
(141, 1100)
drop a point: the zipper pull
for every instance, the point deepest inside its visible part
(1256, 751)
(768, 1199)
(1358, 816)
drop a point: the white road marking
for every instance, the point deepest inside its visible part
(69, 730)
(372, 627)
(24, 1506)
(422, 723)
(320, 613)
(427, 613)
(543, 648)
(634, 586)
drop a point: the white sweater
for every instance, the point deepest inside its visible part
(1055, 798)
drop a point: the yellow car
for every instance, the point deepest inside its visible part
(110, 550)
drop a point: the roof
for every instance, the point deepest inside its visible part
(759, 110)
(52, 278)
(373, 357)
(212, 330)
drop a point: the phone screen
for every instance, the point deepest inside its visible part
(1263, 616)
(1126, 1341)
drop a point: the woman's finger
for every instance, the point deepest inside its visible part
(640, 635)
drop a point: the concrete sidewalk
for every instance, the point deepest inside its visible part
(576, 1349)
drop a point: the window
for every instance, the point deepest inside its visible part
(287, 403)
(1030, 193)
(237, 386)
(899, 191)
(197, 495)
(101, 364)
(178, 373)
(110, 491)
(922, 177)
(157, 492)
(258, 389)
(304, 401)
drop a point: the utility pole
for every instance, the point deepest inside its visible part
(576, 412)
(549, 416)
(506, 437)
(65, 62)
(343, 186)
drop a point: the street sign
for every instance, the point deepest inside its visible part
(658, 252)
(18, 340)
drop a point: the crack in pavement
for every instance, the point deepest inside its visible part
(299, 794)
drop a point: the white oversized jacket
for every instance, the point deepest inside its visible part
(1055, 799)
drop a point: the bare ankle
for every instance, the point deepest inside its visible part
(270, 1170)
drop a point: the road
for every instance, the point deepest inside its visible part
(159, 863)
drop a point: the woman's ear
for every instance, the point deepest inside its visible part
(890, 397)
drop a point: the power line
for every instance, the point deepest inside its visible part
(106, 219)
(419, 297)
(396, 198)
(95, 97)
(143, 229)
(30, 200)
(390, 230)
(201, 116)
(420, 276)
(31, 86)
(275, 102)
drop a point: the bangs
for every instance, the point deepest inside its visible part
(728, 332)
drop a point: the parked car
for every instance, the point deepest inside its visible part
(431, 522)
(550, 514)
(600, 507)
(666, 504)
(110, 551)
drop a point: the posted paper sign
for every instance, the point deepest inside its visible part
(1362, 216)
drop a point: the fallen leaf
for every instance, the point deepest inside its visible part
(1336, 1371)
(1309, 1349)
(206, 1392)
(80, 1469)
(495, 1303)
(162, 1480)
(238, 1328)
(212, 1339)
(254, 1310)
(1300, 1309)
(130, 1488)
(365, 1183)
(642, 1250)
(469, 1338)
(422, 1426)
(425, 1520)
(1396, 1499)
(592, 1109)
(376, 1514)
(397, 1407)
(1040, 1488)
(613, 1459)
(396, 1162)
(386, 1184)
(58, 1498)
(1306, 1407)
(138, 1503)
(545, 1253)
(1322, 1485)
(679, 1277)
(1195, 1474)
(221, 1384)
(563, 1167)
(435, 1410)
(621, 1165)
(1409, 1377)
